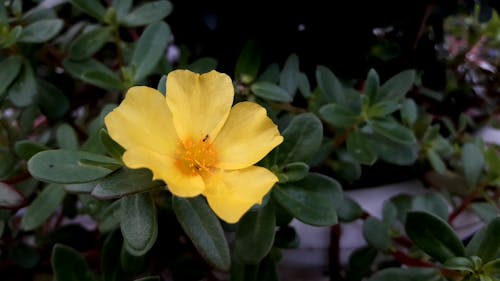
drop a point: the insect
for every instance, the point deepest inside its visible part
(205, 138)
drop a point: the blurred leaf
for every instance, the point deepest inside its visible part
(406, 274)
(294, 171)
(113, 148)
(87, 44)
(22, 91)
(409, 111)
(372, 85)
(359, 148)
(86, 187)
(433, 236)
(9, 70)
(39, 13)
(124, 182)
(271, 74)
(492, 268)
(330, 86)
(95, 73)
(138, 223)
(346, 168)
(65, 166)
(290, 74)
(91, 7)
(382, 108)
(397, 86)
(489, 247)
(436, 162)
(473, 245)
(7, 163)
(311, 200)
(248, 63)
(24, 256)
(147, 13)
(12, 37)
(360, 263)
(390, 212)
(110, 265)
(348, 210)
(10, 197)
(132, 264)
(122, 8)
(286, 238)
(270, 91)
(339, 116)
(392, 130)
(3, 14)
(44, 205)
(69, 265)
(110, 217)
(460, 264)
(394, 152)
(204, 230)
(304, 85)
(66, 137)
(302, 139)
(150, 48)
(162, 85)
(41, 31)
(203, 65)
(473, 162)
(255, 235)
(376, 234)
(432, 203)
(26, 149)
(485, 211)
(53, 103)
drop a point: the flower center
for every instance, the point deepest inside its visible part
(196, 157)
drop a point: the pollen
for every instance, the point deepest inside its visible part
(196, 157)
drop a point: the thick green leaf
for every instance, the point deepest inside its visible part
(138, 223)
(433, 235)
(485, 211)
(39, 13)
(360, 263)
(44, 205)
(110, 265)
(311, 200)
(382, 108)
(67, 166)
(409, 111)
(460, 264)
(66, 137)
(150, 48)
(10, 197)
(87, 44)
(348, 210)
(492, 268)
(330, 86)
(51, 100)
(376, 234)
(294, 171)
(26, 149)
(69, 265)
(113, 148)
(204, 230)
(406, 274)
(91, 7)
(392, 151)
(110, 217)
(24, 256)
(271, 74)
(290, 75)
(247, 66)
(3, 15)
(359, 148)
(22, 91)
(85, 188)
(436, 162)
(124, 182)
(103, 79)
(489, 248)
(303, 137)
(432, 203)
(122, 8)
(255, 235)
(304, 85)
(473, 162)
(12, 37)
(41, 31)
(372, 85)
(147, 13)
(397, 87)
(392, 130)
(9, 70)
(270, 91)
(203, 65)
(7, 163)
(339, 116)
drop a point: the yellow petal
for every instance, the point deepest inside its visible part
(248, 135)
(143, 120)
(231, 194)
(164, 168)
(200, 104)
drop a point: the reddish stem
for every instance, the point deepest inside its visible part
(463, 206)
(409, 261)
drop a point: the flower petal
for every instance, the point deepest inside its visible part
(248, 135)
(200, 104)
(143, 120)
(231, 193)
(164, 168)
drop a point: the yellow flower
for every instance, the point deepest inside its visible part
(196, 142)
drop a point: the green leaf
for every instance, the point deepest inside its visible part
(149, 49)
(87, 44)
(271, 74)
(304, 85)
(485, 211)
(330, 86)
(124, 182)
(24, 256)
(489, 248)
(339, 116)
(10, 197)
(204, 230)
(247, 66)
(41, 31)
(122, 8)
(51, 100)
(110, 217)
(69, 265)
(7, 163)
(392, 151)
(382, 108)
(138, 223)
(290, 75)
(432, 203)
(26, 149)
(44, 205)
(113, 148)
(392, 130)
(147, 13)
(255, 235)
(203, 65)
(433, 236)
(406, 274)
(12, 37)
(86, 187)
(372, 85)
(460, 264)
(110, 265)
(103, 79)
(396, 88)
(303, 137)
(390, 213)
(66, 137)
(3, 15)
(359, 148)
(22, 91)
(270, 91)
(294, 171)
(402, 205)
(9, 70)
(65, 166)
(436, 161)
(360, 263)
(91, 7)
(492, 268)
(409, 111)
(376, 234)
(38, 13)
(311, 200)
(473, 163)
(286, 238)
(348, 210)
